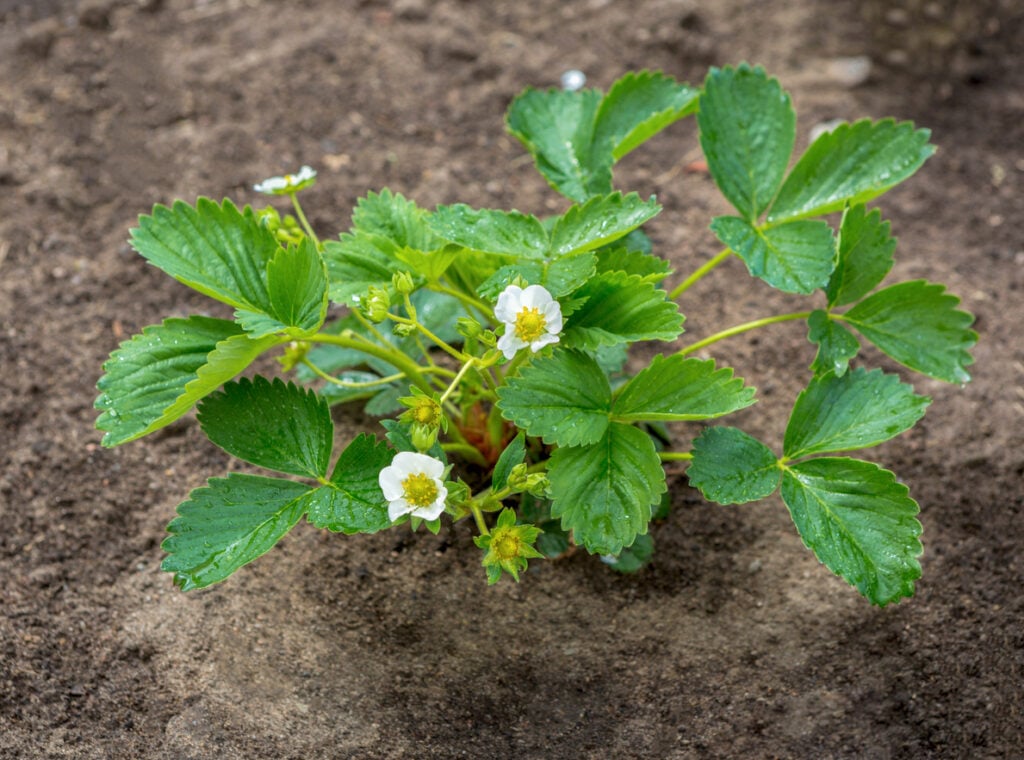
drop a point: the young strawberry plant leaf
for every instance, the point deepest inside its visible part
(836, 344)
(297, 294)
(917, 324)
(215, 249)
(747, 131)
(866, 250)
(352, 502)
(621, 308)
(796, 257)
(513, 454)
(395, 218)
(620, 259)
(564, 399)
(677, 388)
(601, 220)
(355, 263)
(557, 128)
(430, 264)
(637, 107)
(732, 467)
(849, 165)
(155, 377)
(603, 492)
(860, 409)
(859, 522)
(509, 233)
(270, 424)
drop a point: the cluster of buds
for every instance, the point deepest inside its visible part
(293, 354)
(285, 229)
(424, 417)
(533, 483)
(376, 304)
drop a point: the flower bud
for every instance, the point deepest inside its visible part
(423, 436)
(537, 485)
(519, 477)
(376, 304)
(294, 353)
(403, 330)
(468, 327)
(403, 283)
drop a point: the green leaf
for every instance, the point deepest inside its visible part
(356, 262)
(860, 409)
(557, 128)
(617, 259)
(859, 522)
(560, 277)
(352, 502)
(603, 492)
(393, 217)
(677, 388)
(337, 394)
(601, 220)
(638, 106)
(227, 524)
(851, 165)
(917, 324)
(747, 131)
(216, 249)
(270, 424)
(865, 255)
(430, 264)
(633, 558)
(155, 377)
(399, 437)
(621, 308)
(796, 257)
(513, 454)
(564, 399)
(731, 467)
(504, 232)
(836, 344)
(297, 294)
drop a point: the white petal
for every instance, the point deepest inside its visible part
(535, 297)
(391, 483)
(553, 318)
(543, 340)
(508, 305)
(397, 508)
(305, 173)
(509, 343)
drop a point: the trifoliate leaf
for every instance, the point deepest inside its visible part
(917, 324)
(621, 308)
(618, 259)
(849, 165)
(270, 424)
(229, 523)
(352, 502)
(155, 377)
(677, 388)
(796, 257)
(297, 294)
(564, 399)
(731, 467)
(859, 522)
(392, 216)
(638, 106)
(513, 454)
(836, 344)
(603, 492)
(509, 233)
(601, 220)
(747, 131)
(860, 409)
(865, 255)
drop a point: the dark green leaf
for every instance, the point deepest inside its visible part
(356, 262)
(353, 501)
(865, 255)
(917, 324)
(227, 524)
(638, 106)
(731, 467)
(297, 294)
(855, 411)
(504, 232)
(270, 424)
(796, 257)
(616, 259)
(836, 344)
(851, 165)
(621, 308)
(633, 558)
(392, 216)
(859, 522)
(601, 220)
(385, 400)
(513, 454)
(747, 132)
(676, 388)
(603, 492)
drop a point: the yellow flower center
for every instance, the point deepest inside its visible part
(505, 545)
(420, 489)
(530, 324)
(427, 412)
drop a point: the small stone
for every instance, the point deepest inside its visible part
(850, 72)
(822, 127)
(573, 80)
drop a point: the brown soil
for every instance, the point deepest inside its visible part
(733, 643)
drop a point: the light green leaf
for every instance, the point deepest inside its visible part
(621, 308)
(216, 249)
(851, 165)
(530, 271)
(393, 217)
(855, 411)
(601, 220)
(731, 467)
(356, 262)
(155, 377)
(917, 324)
(859, 522)
(638, 106)
(677, 388)
(297, 294)
(564, 398)
(352, 502)
(227, 524)
(270, 424)
(560, 277)
(865, 255)
(747, 131)
(796, 257)
(836, 344)
(618, 259)
(603, 492)
(504, 232)
(430, 264)
(513, 454)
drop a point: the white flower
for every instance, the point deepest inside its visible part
(289, 183)
(531, 316)
(412, 485)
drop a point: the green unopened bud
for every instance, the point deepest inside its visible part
(488, 338)
(519, 477)
(294, 353)
(403, 330)
(537, 485)
(269, 218)
(468, 327)
(423, 436)
(403, 283)
(376, 304)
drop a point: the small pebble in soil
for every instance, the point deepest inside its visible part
(573, 80)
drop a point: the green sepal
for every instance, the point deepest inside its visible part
(836, 344)
(508, 547)
(601, 220)
(398, 435)
(732, 467)
(866, 250)
(352, 502)
(508, 233)
(859, 522)
(621, 308)
(229, 523)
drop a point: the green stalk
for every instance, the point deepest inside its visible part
(746, 326)
(303, 221)
(396, 359)
(685, 284)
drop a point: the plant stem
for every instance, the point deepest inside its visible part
(742, 329)
(685, 284)
(675, 456)
(396, 359)
(303, 221)
(479, 517)
(465, 450)
(465, 300)
(458, 377)
(349, 383)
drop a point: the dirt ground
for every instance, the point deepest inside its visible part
(733, 643)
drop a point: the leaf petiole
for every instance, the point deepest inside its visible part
(697, 275)
(302, 219)
(745, 327)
